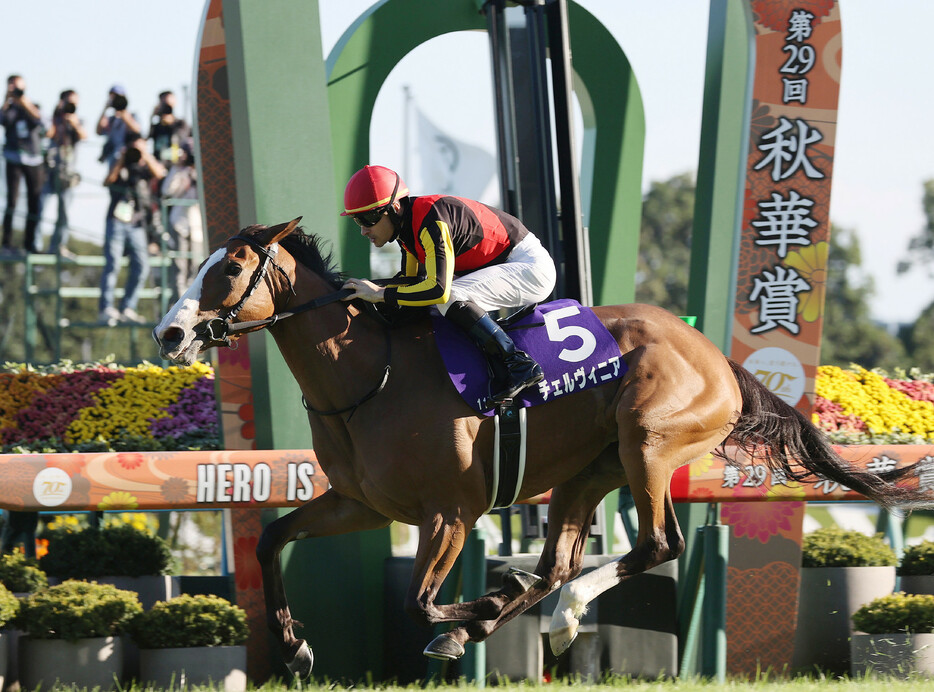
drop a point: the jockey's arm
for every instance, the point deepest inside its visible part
(435, 287)
(373, 293)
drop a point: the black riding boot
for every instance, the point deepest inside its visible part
(513, 370)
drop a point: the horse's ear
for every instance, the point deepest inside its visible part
(274, 234)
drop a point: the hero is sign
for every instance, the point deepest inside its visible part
(784, 218)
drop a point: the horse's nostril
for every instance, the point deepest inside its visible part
(172, 336)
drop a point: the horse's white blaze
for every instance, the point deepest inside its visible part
(185, 311)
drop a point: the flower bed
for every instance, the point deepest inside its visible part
(104, 407)
(859, 406)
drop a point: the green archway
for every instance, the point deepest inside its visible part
(614, 122)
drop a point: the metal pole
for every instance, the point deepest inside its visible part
(713, 638)
(503, 100)
(576, 249)
(474, 559)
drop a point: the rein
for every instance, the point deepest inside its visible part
(219, 330)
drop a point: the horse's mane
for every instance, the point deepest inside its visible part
(306, 248)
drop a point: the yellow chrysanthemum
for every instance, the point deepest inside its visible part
(127, 406)
(866, 395)
(701, 466)
(118, 499)
(811, 263)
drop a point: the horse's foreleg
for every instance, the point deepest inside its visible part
(328, 515)
(440, 541)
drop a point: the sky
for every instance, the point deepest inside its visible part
(884, 142)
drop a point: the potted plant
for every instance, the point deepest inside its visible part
(916, 568)
(72, 634)
(122, 555)
(840, 571)
(9, 605)
(21, 574)
(192, 640)
(895, 635)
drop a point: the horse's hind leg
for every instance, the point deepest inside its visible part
(660, 543)
(330, 514)
(570, 514)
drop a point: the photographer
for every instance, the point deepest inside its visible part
(186, 234)
(115, 123)
(22, 150)
(64, 134)
(167, 131)
(130, 182)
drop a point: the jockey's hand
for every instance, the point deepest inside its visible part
(367, 290)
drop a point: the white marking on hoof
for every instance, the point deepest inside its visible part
(565, 621)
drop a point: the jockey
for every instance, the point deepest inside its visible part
(470, 259)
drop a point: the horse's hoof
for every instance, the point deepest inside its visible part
(444, 648)
(302, 661)
(521, 579)
(563, 631)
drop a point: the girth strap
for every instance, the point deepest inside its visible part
(509, 450)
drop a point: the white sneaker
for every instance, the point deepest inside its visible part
(109, 315)
(130, 315)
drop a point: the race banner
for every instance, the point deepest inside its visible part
(266, 479)
(780, 288)
(781, 276)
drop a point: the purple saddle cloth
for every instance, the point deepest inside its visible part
(571, 344)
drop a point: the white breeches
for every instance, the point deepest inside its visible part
(526, 277)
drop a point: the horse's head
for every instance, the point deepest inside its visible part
(234, 283)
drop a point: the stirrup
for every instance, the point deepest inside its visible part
(514, 391)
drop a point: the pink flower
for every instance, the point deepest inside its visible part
(758, 520)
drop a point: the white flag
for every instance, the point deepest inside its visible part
(451, 167)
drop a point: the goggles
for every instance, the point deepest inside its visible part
(371, 217)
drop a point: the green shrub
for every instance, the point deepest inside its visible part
(21, 574)
(190, 621)
(115, 551)
(77, 610)
(897, 612)
(917, 559)
(9, 606)
(838, 548)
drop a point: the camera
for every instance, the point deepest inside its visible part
(119, 102)
(17, 93)
(132, 155)
(69, 107)
(165, 109)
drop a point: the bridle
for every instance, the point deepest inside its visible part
(219, 330)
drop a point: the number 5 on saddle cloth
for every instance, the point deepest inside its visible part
(575, 351)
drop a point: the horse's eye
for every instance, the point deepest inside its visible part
(233, 269)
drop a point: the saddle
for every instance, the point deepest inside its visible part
(568, 340)
(575, 351)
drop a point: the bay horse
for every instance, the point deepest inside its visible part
(398, 443)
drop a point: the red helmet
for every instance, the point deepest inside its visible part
(372, 187)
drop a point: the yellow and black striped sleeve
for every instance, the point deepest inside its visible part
(435, 288)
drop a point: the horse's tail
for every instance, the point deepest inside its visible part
(772, 431)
